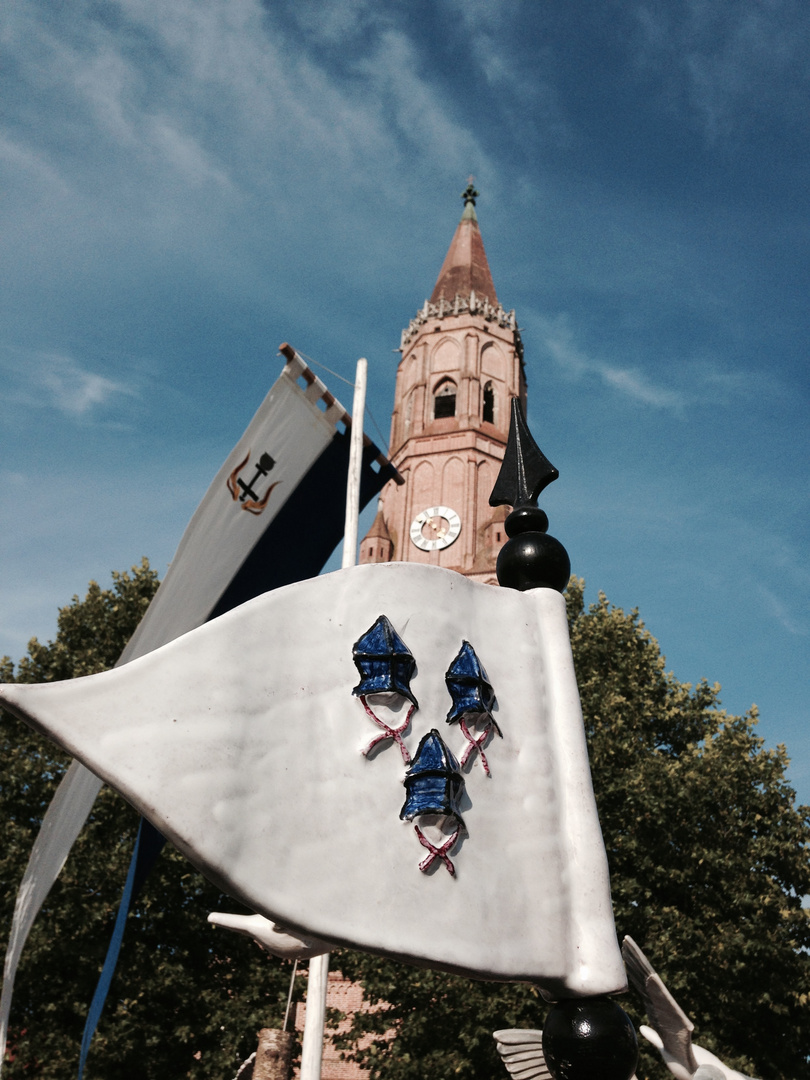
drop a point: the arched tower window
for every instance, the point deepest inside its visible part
(488, 411)
(444, 399)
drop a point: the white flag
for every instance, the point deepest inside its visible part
(298, 751)
(291, 461)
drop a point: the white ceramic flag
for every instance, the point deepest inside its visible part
(244, 743)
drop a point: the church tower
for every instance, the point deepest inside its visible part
(462, 362)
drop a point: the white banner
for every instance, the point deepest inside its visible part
(268, 756)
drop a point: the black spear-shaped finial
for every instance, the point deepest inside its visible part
(530, 559)
(525, 470)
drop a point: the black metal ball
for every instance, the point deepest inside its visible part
(589, 1039)
(533, 560)
(526, 519)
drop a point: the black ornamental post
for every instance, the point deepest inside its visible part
(530, 559)
(588, 1038)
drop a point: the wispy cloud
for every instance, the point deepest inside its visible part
(730, 63)
(337, 24)
(778, 610)
(423, 119)
(717, 385)
(701, 381)
(558, 340)
(30, 163)
(58, 382)
(75, 391)
(535, 108)
(171, 103)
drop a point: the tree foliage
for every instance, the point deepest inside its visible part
(709, 863)
(186, 1000)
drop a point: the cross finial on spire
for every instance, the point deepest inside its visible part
(469, 195)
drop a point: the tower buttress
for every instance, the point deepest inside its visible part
(462, 363)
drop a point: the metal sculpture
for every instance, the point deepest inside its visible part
(530, 559)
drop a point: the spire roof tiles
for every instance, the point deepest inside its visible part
(378, 530)
(465, 268)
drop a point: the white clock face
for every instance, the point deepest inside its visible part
(435, 528)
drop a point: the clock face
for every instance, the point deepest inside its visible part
(435, 528)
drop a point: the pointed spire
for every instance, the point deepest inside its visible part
(378, 530)
(465, 268)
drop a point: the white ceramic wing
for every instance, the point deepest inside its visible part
(271, 937)
(521, 1051)
(668, 1020)
(712, 1068)
(242, 742)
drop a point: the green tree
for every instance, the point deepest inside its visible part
(186, 1000)
(709, 863)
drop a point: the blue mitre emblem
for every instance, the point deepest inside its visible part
(384, 662)
(433, 782)
(469, 686)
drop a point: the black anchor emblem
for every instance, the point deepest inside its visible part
(249, 498)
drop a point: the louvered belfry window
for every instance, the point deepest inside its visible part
(488, 411)
(444, 400)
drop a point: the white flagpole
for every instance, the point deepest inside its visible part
(317, 983)
(315, 1023)
(355, 463)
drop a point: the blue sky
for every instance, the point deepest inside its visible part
(187, 183)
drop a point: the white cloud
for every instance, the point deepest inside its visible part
(636, 385)
(535, 110)
(75, 391)
(776, 609)
(726, 385)
(186, 154)
(31, 163)
(702, 381)
(107, 82)
(423, 119)
(337, 24)
(160, 97)
(54, 381)
(731, 63)
(558, 340)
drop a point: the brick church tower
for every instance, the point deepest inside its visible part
(462, 362)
